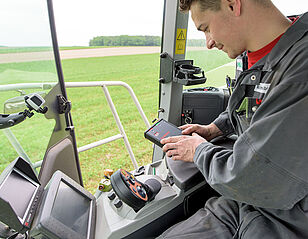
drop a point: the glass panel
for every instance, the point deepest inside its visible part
(27, 66)
(216, 64)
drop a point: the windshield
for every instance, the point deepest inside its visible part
(27, 66)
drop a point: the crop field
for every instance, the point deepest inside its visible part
(91, 115)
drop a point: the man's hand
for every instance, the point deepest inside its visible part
(182, 147)
(208, 132)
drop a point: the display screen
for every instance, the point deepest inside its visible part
(36, 100)
(18, 190)
(72, 209)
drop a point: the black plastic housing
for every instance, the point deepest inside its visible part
(67, 211)
(160, 130)
(203, 105)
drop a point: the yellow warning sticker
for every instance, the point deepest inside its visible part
(180, 41)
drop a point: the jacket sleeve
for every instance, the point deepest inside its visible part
(223, 123)
(268, 166)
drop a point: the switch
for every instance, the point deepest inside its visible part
(131, 180)
(111, 195)
(117, 203)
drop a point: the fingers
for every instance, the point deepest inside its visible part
(169, 147)
(176, 157)
(173, 139)
(174, 154)
(171, 153)
(170, 142)
(182, 147)
(185, 126)
(190, 129)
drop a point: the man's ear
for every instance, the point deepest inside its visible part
(234, 6)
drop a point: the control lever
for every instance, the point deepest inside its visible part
(133, 192)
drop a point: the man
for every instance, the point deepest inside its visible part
(264, 179)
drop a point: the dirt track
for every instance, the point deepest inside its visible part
(112, 51)
(82, 53)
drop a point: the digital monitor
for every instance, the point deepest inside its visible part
(19, 190)
(72, 209)
(67, 211)
(20, 193)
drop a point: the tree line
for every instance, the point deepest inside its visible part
(125, 40)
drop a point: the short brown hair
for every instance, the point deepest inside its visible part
(213, 5)
(204, 5)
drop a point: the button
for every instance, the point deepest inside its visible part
(254, 109)
(111, 195)
(131, 180)
(253, 78)
(117, 203)
(141, 192)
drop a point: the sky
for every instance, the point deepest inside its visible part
(78, 21)
(84, 20)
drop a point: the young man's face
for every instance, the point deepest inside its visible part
(220, 29)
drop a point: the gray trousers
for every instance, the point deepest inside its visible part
(205, 224)
(223, 218)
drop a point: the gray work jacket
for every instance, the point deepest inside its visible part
(267, 170)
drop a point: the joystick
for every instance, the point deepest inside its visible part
(133, 192)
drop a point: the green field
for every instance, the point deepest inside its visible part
(5, 50)
(91, 115)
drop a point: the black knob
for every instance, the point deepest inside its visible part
(164, 54)
(162, 80)
(152, 187)
(11, 122)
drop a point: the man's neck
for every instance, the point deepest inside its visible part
(269, 23)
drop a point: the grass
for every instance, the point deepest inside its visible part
(5, 50)
(34, 143)
(91, 115)
(209, 61)
(141, 73)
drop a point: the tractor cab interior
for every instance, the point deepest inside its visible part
(52, 202)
